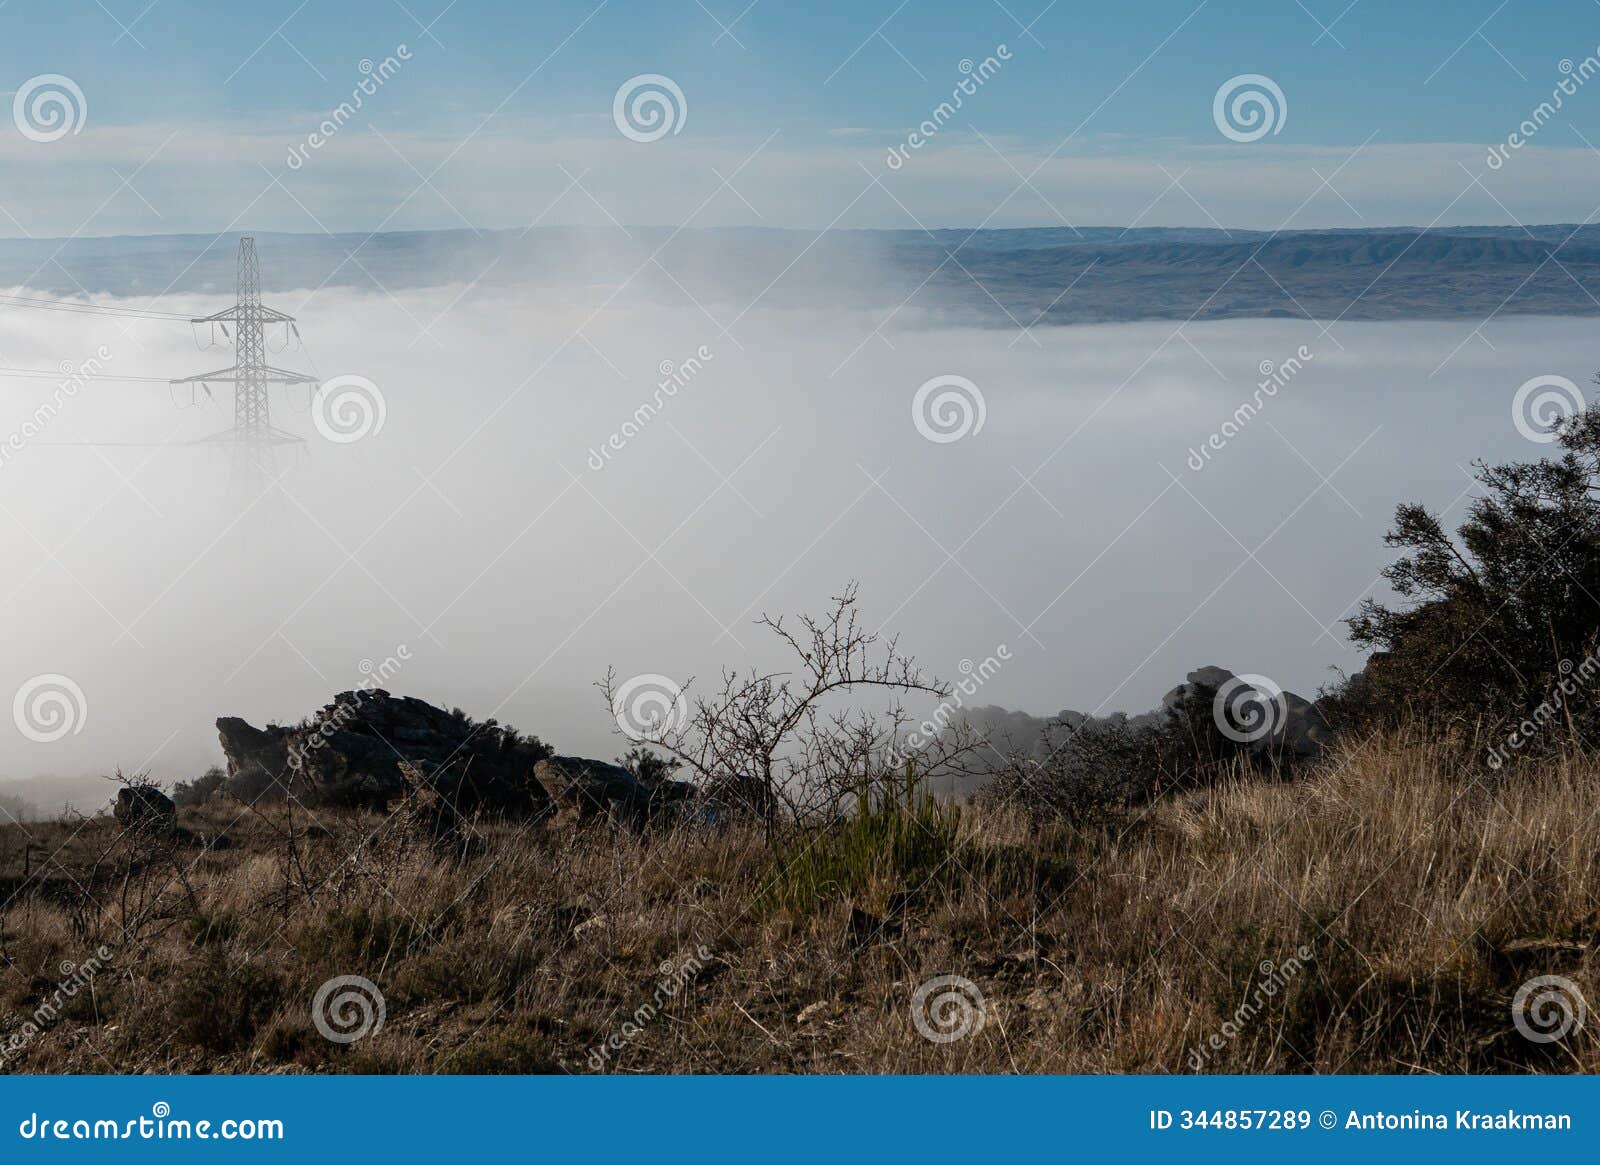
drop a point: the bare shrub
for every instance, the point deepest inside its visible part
(787, 732)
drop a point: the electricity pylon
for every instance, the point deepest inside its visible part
(252, 435)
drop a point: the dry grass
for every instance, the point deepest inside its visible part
(1423, 900)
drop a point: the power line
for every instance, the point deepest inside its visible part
(59, 374)
(83, 307)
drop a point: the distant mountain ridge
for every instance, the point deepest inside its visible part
(1006, 277)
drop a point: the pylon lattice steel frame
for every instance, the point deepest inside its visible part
(251, 375)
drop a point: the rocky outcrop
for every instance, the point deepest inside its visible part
(375, 749)
(370, 748)
(586, 789)
(1253, 711)
(256, 759)
(145, 808)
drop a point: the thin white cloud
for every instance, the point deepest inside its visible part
(202, 178)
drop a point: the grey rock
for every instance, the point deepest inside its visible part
(370, 747)
(1294, 727)
(592, 788)
(144, 807)
(587, 789)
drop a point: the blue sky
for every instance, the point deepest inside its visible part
(514, 100)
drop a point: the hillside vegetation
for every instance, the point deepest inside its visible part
(1376, 914)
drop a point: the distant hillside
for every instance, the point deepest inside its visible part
(1366, 275)
(986, 277)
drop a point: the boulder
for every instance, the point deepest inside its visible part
(428, 806)
(369, 747)
(1272, 721)
(586, 789)
(144, 807)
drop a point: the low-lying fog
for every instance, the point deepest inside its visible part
(482, 533)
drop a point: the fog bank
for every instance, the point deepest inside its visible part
(555, 490)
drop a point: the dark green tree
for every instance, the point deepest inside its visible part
(1491, 618)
